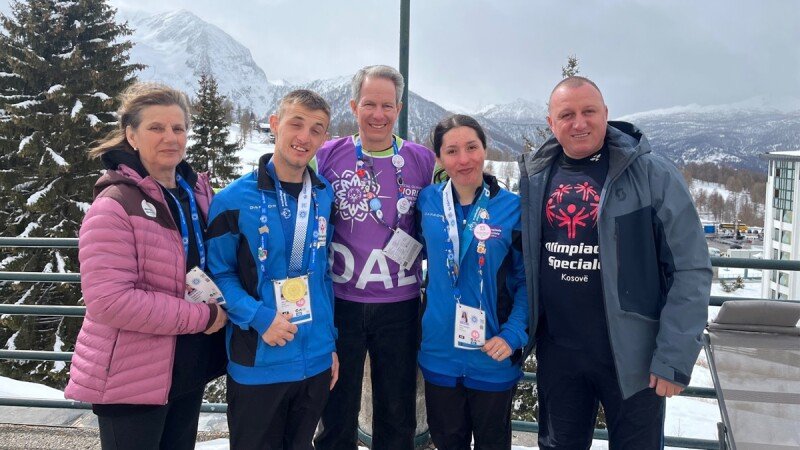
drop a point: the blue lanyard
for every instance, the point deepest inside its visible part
(294, 268)
(198, 235)
(369, 183)
(478, 214)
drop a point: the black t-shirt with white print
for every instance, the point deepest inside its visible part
(570, 284)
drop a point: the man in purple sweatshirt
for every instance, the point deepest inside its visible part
(376, 177)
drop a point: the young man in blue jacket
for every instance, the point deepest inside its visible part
(617, 271)
(268, 239)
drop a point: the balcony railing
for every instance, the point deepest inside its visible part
(79, 311)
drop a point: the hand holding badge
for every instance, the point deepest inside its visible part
(293, 299)
(201, 288)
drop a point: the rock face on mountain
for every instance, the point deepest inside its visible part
(732, 135)
(178, 46)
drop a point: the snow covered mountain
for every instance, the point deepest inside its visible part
(422, 117)
(519, 119)
(179, 46)
(733, 135)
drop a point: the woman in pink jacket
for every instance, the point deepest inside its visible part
(144, 354)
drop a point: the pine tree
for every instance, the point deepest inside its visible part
(211, 151)
(62, 63)
(571, 69)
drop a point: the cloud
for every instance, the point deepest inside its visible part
(643, 54)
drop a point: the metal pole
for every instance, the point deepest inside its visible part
(405, 9)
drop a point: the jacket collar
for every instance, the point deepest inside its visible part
(265, 181)
(624, 140)
(125, 155)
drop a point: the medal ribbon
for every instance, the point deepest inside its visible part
(306, 197)
(463, 243)
(198, 234)
(367, 182)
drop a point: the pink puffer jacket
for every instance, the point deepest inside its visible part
(132, 276)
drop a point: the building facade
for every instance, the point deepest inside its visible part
(782, 224)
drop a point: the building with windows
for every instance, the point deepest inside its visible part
(782, 224)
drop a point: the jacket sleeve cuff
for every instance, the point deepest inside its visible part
(263, 319)
(214, 310)
(511, 339)
(663, 371)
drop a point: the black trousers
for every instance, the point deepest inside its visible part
(456, 414)
(168, 427)
(571, 383)
(388, 331)
(280, 416)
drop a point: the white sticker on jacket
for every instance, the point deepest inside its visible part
(148, 208)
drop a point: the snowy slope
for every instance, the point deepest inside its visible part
(179, 46)
(733, 134)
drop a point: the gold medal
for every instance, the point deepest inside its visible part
(293, 289)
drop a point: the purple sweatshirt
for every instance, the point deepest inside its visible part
(360, 270)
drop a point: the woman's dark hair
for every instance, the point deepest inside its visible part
(455, 121)
(447, 124)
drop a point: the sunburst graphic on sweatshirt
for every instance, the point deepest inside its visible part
(351, 202)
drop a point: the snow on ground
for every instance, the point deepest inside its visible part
(709, 188)
(249, 155)
(686, 417)
(12, 388)
(257, 144)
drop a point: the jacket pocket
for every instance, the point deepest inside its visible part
(638, 278)
(112, 366)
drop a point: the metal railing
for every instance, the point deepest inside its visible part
(79, 311)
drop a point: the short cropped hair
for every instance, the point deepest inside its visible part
(575, 81)
(378, 71)
(306, 98)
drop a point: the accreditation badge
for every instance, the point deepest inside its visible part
(402, 249)
(470, 329)
(293, 299)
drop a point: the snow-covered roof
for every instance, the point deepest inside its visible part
(783, 154)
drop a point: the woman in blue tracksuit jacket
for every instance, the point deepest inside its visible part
(475, 321)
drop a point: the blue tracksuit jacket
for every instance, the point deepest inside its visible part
(233, 242)
(504, 296)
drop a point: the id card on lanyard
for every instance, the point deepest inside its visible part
(401, 247)
(470, 322)
(292, 294)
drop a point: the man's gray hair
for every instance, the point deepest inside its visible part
(378, 71)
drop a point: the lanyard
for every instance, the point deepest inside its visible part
(198, 235)
(462, 243)
(369, 184)
(306, 197)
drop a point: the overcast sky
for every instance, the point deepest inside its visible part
(469, 53)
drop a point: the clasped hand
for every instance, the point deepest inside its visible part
(497, 348)
(280, 332)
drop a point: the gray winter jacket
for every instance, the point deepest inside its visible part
(656, 272)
